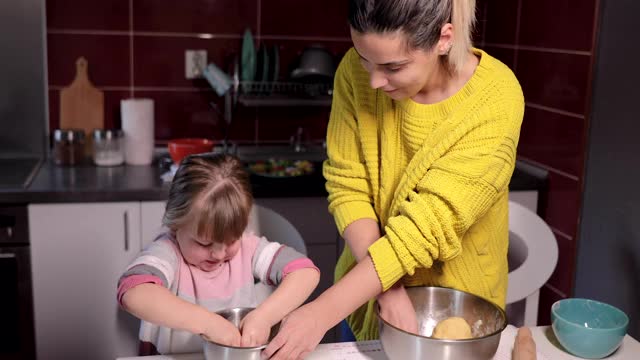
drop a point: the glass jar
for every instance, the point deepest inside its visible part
(108, 147)
(68, 146)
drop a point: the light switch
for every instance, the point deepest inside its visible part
(194, 63)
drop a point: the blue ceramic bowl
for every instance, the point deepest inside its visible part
(588, 328)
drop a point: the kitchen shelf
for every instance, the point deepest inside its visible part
(274, 100)
(273, 94)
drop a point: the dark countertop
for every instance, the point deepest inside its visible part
(54, 184)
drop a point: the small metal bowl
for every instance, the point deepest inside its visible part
(434, 304)
(215, 351)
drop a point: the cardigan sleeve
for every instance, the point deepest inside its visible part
(452, 193)
(348, 183)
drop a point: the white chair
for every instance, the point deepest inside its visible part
(533, 255)
(268, 223)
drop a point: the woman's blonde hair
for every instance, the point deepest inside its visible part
(421, 20)
(212, 193)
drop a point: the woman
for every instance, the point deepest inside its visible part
(421, 147)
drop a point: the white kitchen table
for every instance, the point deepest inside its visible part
(546, 344)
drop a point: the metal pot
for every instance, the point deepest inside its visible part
(215, 351)
(315, 61)
(434, 304)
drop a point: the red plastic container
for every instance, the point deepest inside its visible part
(179, 148)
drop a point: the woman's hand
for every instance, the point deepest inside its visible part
(255, 329)
(221, 331)
(396, 309)
(300, 333)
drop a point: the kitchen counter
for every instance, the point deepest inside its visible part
(547, 347)
(55, 184)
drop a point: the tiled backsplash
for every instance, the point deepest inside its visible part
(549, 45)
(136, 48)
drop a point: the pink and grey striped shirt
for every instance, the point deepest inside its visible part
(244, 281)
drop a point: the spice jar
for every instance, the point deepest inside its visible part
(108, 147)
(68, 146)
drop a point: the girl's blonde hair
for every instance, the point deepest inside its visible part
(421, 20)
(211, 193)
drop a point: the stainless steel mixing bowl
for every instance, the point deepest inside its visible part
(215, 351)
(434, 304)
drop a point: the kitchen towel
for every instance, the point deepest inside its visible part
(138, 127)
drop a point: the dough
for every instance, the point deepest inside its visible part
(452, 328)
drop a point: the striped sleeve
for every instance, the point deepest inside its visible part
(157, 263)
(273, 261)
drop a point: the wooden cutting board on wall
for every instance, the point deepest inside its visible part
(81, 103)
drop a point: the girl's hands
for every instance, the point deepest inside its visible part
(221, 331)
(255, 329)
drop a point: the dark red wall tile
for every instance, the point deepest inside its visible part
(553, 79)
(481, 21)
(507, 56)
(195, 16)
(277, 125)
(501, 17)
(54, 109)
(562, 277)
(107, 55)
(560, 24)
(305, 18)
(160, 61)
(243, 125)
(547, 298)
(88, 15)
(553, 139)
(563, 201)
(112, 118)
(188, 114)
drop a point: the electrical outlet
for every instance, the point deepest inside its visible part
(194, 63)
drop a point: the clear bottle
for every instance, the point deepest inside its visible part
(68, 146)
(108, 147)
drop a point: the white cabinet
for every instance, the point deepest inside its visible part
(151, 223)
(78, 252)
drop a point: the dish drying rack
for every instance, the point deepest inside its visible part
(259, 93)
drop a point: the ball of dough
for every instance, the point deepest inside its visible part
(452, 328)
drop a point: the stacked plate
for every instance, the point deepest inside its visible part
(260, 66)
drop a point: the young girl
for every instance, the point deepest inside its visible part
(207, 261)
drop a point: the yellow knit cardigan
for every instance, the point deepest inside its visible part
(435, 177)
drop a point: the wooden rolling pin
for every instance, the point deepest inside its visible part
(524, 348)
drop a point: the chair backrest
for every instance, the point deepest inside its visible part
(268, 223)
(533, 252)
(275, 227)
